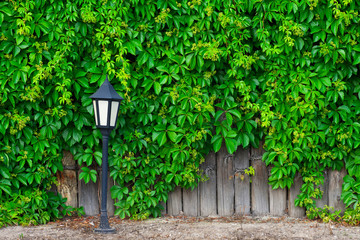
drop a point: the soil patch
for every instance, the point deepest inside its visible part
(186, 228)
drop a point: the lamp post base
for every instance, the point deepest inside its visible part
(105, 230)
(104, 226)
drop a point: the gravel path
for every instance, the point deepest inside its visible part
(186, 228)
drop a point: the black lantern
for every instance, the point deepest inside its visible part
(106, 103)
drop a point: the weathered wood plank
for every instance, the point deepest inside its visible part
(335, 188)
(68, 187)
(259, 185)
(190, 201)
(242, 182)
(278, 202)
(175, 202)
(163, 211)
(225, 182)
(110, 202)
(207, 190)
(325, 188)
(293, 192)
(89, 197)
(68, 160)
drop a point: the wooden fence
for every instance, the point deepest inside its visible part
(224, 194)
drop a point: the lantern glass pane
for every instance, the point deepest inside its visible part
(103, 112)
(96, 112)
(114, 111)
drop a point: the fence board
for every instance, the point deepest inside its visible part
(242, 187)
(259, 186)
(278, 201)
(225, 182)
(325, 188)
(68, 160)
(89, 197)
(164, 210)
(293, 192)
(175, 202)
(110, 202)
(207, 190)
(68, 187)
(190, 202)
(335, 187)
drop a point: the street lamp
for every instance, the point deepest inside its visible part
(106, 103)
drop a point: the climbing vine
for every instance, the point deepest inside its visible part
(195, 75)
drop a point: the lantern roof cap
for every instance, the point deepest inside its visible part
(106, 92)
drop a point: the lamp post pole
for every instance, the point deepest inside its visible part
(104, 222)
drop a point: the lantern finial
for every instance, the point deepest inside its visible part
(106, 91)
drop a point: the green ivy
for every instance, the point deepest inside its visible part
(194, 75)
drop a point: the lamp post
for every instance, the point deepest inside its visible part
(106, 103)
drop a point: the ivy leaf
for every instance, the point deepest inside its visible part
(342, 53)
(16, 51)
(84, 174)
(162, 68)
(172, 136)
(231, 145)
(66, 134)
(1, 18)
(6, 10)
(116, 192)
(299, 43)
(345, 108)
(162, 138)
(98, 157)
(83, 29)
(155, 135)
(77, 135)
(157, 88)
(93, 176)
(245, 140)
(356, 59)
(235, 113)
(143, 57)
(322, 136)
(169, 177)
(5, 172)
(189, 58)
(216, 141)
(326, 81)
(158, 37)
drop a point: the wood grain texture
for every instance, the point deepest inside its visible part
(191, 202)
(278, 201)
(68, 160)
(225, 182)
(335, 188)
(68, 187)
(259, 189)
(242, 186)
(164, 210)
(207, 189)
(259, 186)
(174, 203)
(89, 197)
(110, 202)
(293, 192)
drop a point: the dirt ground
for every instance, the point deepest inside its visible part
(186, 228)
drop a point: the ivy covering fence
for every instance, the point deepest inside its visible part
(195, 75)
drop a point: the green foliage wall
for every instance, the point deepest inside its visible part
(194, 75)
